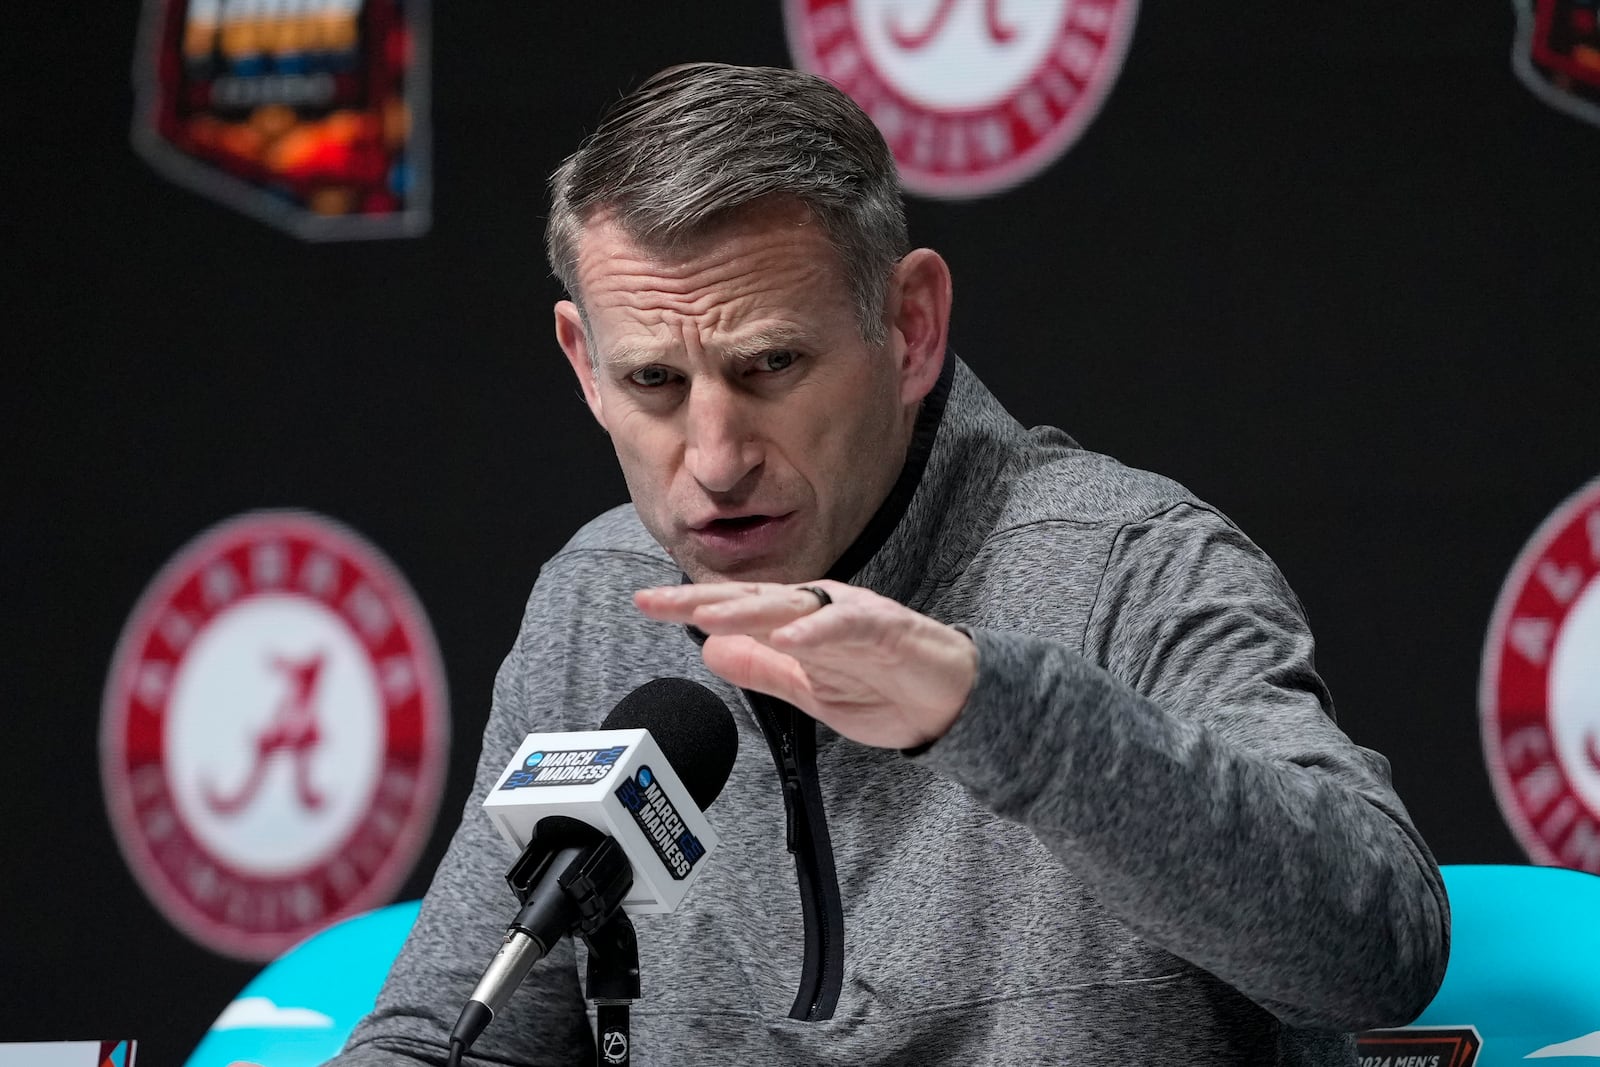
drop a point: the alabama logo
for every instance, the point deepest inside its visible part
(1557, 54)
(273, 733)
(973, 96)
(1540, 692)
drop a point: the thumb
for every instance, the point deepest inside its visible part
(749, 664)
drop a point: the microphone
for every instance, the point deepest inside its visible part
(605, 819)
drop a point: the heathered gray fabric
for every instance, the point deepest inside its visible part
(1144, 841)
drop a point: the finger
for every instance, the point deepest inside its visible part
(758, 614)
(857, 623)
(728, 607)
(677, 603)
(749, 664)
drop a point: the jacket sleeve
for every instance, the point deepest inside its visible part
(1184, 762)
(465, 910)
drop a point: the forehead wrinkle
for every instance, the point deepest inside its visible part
(651, 302)
(630, 356)
(718, 297)
(690, 278)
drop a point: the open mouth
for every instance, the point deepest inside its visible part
(741, 535)
(743, 522)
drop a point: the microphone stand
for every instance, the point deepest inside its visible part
(595, 887)
(613, 984)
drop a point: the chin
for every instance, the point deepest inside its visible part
(755, 572)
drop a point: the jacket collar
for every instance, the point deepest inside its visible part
(947, 498)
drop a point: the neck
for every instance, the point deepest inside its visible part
(923, 429)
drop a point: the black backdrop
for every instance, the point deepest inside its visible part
(1330, 265)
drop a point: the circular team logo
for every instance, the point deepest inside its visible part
(273, 733)
(973, 96)
(1540, 691)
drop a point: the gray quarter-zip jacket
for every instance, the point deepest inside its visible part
(1143, 841)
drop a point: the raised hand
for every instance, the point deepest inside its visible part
(869, 668)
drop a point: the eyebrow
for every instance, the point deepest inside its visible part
(628, 358)
(625, 359)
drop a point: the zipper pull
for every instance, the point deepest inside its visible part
(791, 811)
(792, 799)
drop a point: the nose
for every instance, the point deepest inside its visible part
(722, 447)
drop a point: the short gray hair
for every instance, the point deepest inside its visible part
(696, 143)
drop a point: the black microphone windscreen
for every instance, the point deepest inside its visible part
(690, 724)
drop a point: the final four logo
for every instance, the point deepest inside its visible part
(973, 96)
(274, 732)
(1557, 54)
(311, 115)
(1540, 692)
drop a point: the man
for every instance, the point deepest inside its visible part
(1034, 763)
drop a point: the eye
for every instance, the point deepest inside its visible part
(651, 377)
(781, 359)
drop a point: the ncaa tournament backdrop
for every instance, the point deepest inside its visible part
(280, 364)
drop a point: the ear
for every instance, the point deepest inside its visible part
(574, 342)
(919, 320)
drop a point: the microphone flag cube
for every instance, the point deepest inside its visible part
(618, 782)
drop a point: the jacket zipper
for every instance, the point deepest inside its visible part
(784, 726)
(807, 840)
